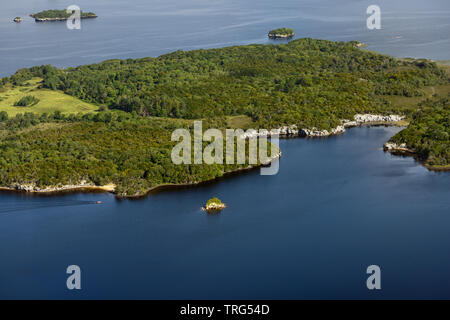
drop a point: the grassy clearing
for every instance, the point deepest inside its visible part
(412, 102)
(49, 100)
(240, 122)
(443, 62)
(439, 168)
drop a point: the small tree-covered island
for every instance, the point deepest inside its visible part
(281, 33)
(109, 125)
(214, 205)
(59, 15)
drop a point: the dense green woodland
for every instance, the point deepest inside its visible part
(310, 83)
(306, 82)
(109, 147)
(429, 133)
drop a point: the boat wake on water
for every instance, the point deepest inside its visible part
(33, 205)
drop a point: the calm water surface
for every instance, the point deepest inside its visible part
(142, 28)
(337, 206)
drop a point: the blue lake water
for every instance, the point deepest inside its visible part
(141, 28)
(337, 205)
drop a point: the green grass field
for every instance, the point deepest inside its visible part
(412, 102)
(242, 122)
(50, 100)
(443, 62)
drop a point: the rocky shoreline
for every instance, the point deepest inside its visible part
(361, 45)
(403, 149)
(31, 188)
(59, 19)
(397, 148)
(213, 207)
(293, 131)
(83, 185)
(281, 36)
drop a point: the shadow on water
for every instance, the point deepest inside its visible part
(201, 185)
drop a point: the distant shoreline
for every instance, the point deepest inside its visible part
(83, 15)
(59, 19)
(52, 190)
(406, 152)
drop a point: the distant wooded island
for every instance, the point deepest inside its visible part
(281, 33)
(58, 15)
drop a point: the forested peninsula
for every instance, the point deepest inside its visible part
(305, 84)
(428, 135)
